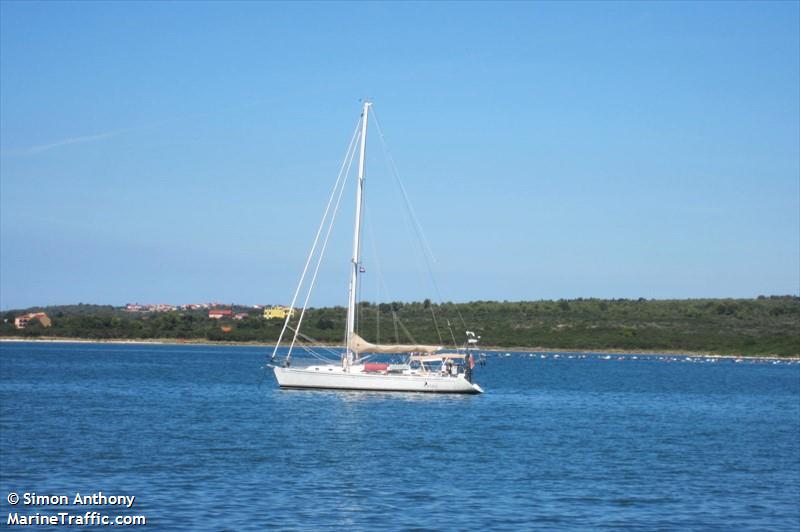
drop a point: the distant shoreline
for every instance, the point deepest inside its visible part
(496, 349)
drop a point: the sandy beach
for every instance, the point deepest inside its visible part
(491, 349)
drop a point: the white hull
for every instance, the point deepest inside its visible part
(334, 377)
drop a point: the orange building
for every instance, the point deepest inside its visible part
(20, 322)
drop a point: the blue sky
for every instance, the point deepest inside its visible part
(183, 152)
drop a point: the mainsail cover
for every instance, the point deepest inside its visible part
(359, 345)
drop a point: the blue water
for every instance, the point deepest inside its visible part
(555, 444)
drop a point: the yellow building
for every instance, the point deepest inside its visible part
(278, 312)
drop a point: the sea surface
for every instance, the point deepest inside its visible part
(556, 443)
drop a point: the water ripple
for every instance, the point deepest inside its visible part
(556, 443)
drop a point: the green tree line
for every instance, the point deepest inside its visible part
(765, 325)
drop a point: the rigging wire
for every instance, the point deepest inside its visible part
(395, 321)
(436, 325)
(376, 258)
(338, 192)
(396, 175)
(377, 313)
(322, 252)
(315, 341)
(405, 330)
(359, 308)
(395, 318)
(348, 154)
(425, 246)
(451, 334)
(314, 353)
(380, 278)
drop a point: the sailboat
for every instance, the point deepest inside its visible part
(426, 368)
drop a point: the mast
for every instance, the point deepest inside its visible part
(353, 290)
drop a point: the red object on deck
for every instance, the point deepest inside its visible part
(374, 366)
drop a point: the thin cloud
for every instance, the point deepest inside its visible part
(34, 150)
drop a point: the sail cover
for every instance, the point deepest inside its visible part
(359, 345)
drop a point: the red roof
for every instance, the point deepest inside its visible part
(222, 312)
